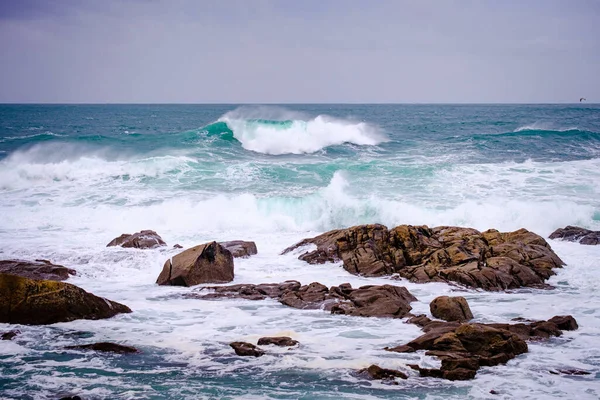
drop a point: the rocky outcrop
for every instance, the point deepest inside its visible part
(282, 341)
(140, 240)
(246, 349)
(206, 263)
(105, 347)
(38, 269)
(240, 248)
(451, 308)
(464, 348)
(375, 372)
(10, 334)
(490, 260)
(40, 302)
(577, 234)
(385, 301)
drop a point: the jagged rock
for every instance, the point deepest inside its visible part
(206, 263)
(240, 248)
(577, 234)
(570, 372)
(367, 301)
(246, 349)
(451, 308)
(38, 269)
(464, 348)
(378, 373)
(283, 341)
(10, 334)
(490, 260)
(146, 239)
(105, 347)
(40, 302)
(177, 246)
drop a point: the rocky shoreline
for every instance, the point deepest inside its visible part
(33, 292)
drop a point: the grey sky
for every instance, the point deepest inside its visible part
(281, 51)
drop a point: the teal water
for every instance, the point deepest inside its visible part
(72, 177)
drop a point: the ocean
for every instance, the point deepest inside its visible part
(73, 177)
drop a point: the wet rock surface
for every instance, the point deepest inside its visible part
(146, 239)
(206, 263)
(282, 341)
(375, 372)
(577, 234)
(386, 301)
(40, 302)
(464, 348)
(490, 260)
(105, 347)
(240, 248)
(9, 335)
(38, 269)
(246, 349)
(451, 308)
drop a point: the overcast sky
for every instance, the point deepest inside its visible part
(299, 51)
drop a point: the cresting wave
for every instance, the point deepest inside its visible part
(272, 131)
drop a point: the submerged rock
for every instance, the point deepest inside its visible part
(40, 302)
(246, 349)
(146, 239)
(240, 248)
(490, 260)
(38, 269)
(206, 263)
(386, 301)
(577, 234)
(378, 373)
(451, 308)
(282, 341)
(10, 334)
(105, 347)
(464, 348)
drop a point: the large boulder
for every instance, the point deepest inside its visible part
(206, 263)
(240, 248)
(245, 349)
(146, 239)
(38, 269)
(40, 302)
(451, 308)
(490, 260)
(386, 301)
(375, 372)
(464, 348)
(577, 234)
(281, 341)
(105, 347)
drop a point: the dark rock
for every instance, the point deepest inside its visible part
(385, 301)
(401, 349)
(451, 308)
(71, 398)
(494, 392)
(570, 372)
(240, 248)
(105, 347)
(464, 348)
(244, 291)
(565, 322)
(576, 234)
(206, 263)
(378, 373)
(419, 320)
(38, 269)
(141, 240)
(283, 341)
(10, 334)
(40, 302)
(490, 260)
(246, 349)
(177, 246)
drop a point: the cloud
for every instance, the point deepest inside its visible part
(310, 51)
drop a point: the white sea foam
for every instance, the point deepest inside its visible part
(306, 135)
(544, 126)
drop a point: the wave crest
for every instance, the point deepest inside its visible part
(279, 132)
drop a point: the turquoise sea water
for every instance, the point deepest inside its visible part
(72, 177)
